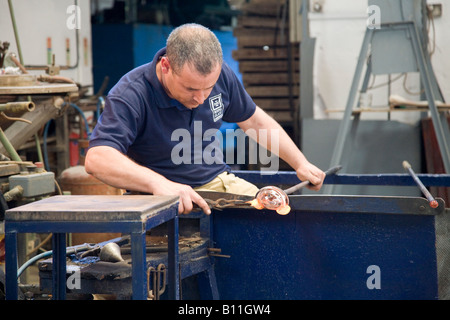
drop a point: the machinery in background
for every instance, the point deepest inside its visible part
(25, 173)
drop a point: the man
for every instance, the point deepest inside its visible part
(186, 86)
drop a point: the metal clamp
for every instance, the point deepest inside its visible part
(157, 289)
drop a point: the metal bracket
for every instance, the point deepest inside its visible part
(157, 289)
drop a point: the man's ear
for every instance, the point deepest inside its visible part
(165, 65)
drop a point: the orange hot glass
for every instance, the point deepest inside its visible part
(273, 198)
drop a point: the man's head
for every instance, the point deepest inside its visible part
(196, 45)
(192, 64)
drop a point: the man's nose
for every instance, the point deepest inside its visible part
(200, 97)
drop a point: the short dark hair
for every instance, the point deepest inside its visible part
(195, 44)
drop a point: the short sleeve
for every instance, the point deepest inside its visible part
(241, 106)
(118, 125)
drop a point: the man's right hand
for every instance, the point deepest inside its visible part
(187, 197)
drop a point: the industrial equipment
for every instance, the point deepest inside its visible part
(397, 45)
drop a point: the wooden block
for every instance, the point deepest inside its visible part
(280, 104)
(260, 53)
(265, 39)
(9, 169)
(272, 91)
(281, 116)
(267, 66)
(262, 8)
(258, 22)
(266, 2)
(277, 78)
(254, 32)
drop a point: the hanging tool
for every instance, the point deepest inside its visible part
(433, 203)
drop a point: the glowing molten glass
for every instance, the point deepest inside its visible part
(284, 210)
(255, 204)
(272, 198)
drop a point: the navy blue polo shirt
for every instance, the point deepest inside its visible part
(143, 122)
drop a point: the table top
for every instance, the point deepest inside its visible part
(39, 89)
(101, 208)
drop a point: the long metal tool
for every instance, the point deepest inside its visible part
(303, 184)
(269, 197)
(427, 194)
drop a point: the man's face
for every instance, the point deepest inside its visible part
(188, 86)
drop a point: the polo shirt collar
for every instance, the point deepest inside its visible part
(162, 99)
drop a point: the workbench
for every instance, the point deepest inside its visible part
(128, 214)
(336, 246)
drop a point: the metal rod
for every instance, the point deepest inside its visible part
(345, 122)
(303, 184)
(9, 147)
(16, 33)
(431, 200)
(17, 106)
(219, 255)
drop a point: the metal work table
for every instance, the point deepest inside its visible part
(328, 247)
(335, 246)
(132, 214)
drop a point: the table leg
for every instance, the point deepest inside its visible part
(11, 265)
(59, 266)
(174, 272)
(138, 266)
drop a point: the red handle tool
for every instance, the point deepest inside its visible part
(433, 203)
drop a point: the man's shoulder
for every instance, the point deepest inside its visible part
(226, 70)
(227, 77)
(132, 80)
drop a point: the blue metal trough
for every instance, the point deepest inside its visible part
(329, 246)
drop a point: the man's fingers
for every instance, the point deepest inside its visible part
(183, 206)
(316, 179)
(187, 201)
(315, 187)
(197, 199)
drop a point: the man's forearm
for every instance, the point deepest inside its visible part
(283, 146)
(115, 169)
(286, 149)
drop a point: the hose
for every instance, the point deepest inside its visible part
(88, 132)
(44, 146)
(47, 125)
(69, 250)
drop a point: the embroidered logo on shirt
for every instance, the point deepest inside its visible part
(216, 106)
